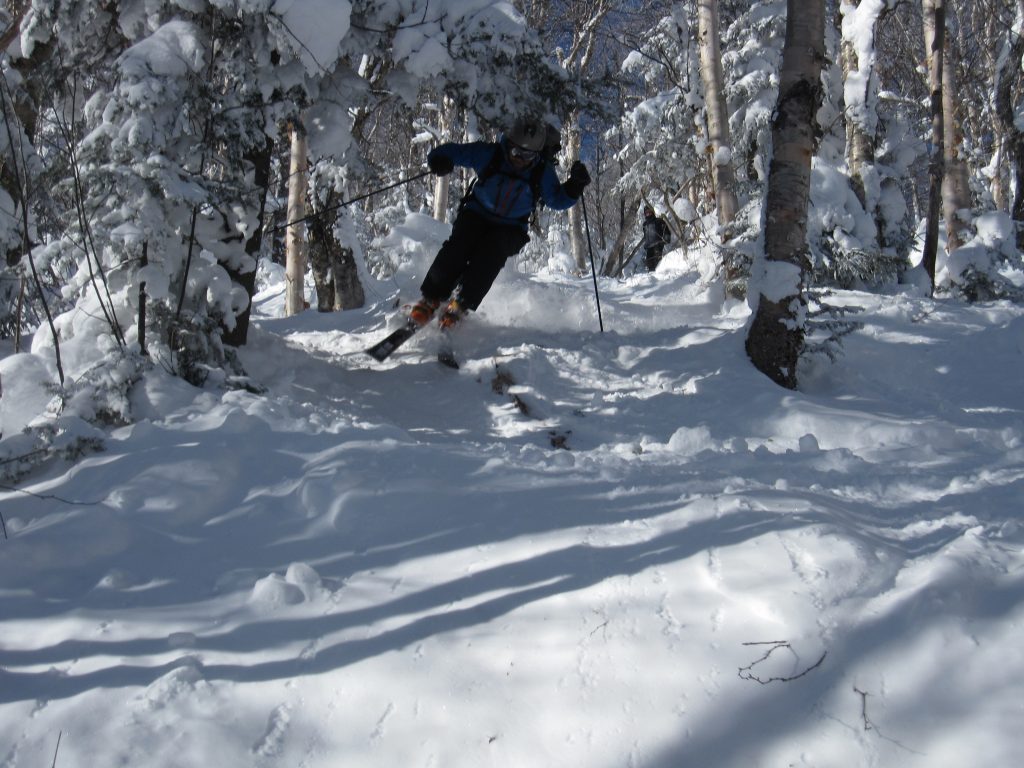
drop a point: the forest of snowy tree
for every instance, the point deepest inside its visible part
(153, 150)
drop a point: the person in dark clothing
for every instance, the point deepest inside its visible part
(656, 237)
(512, 176)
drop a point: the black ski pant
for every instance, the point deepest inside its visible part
(653, 257)
(472, 256)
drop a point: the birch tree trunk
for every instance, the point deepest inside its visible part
(295, 239)
(722, 175)
(861, 95)
(442, 184)
(442, 187)
(934, 12)
(577, 245)
(956, 191)
(776, 335)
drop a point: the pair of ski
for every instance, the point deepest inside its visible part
(382, 350)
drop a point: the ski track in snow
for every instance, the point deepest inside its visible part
(577, 549)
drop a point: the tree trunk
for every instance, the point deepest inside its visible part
(334, 266)
(934, 40)
(261, 161)
(861, 119)
(442, 184)
(295, 240)
(776, 335)
(722, 175)
(348, 291)
(618, 257)
(1006, 76)
(999, 186)
(16, 10)
(956, 190)
(141, 332)
(577, 243)
(323, 258)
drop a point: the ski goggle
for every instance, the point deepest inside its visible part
(519, 153)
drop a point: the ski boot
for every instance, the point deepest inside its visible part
(423, 310)
(452, 314)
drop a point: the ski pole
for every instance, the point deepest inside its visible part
(349, 202)
(593, 269)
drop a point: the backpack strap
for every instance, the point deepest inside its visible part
(536, 174)
(493, 167)
(488, 170)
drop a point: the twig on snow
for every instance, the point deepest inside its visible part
(745, 673)
(863, 708)
(53, 496)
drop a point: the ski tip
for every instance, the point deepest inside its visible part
(383, 349)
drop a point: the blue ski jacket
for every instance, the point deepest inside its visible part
(505, 196)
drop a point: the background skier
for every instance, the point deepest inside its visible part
(656, 237)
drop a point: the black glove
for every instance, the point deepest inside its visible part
(439, 164)
(577, 181)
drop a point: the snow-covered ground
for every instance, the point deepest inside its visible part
(592, 549)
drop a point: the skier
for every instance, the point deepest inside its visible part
(512, 176)
(656, 237)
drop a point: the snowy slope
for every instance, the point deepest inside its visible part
(589, 549)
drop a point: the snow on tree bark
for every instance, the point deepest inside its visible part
(295, 240)
(775, 338)
(956, 192)
(1008, 73)
(723, 176)
(934, 37)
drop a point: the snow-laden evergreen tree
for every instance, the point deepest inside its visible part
(162, 148)
(752, 56)
(752, 45)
